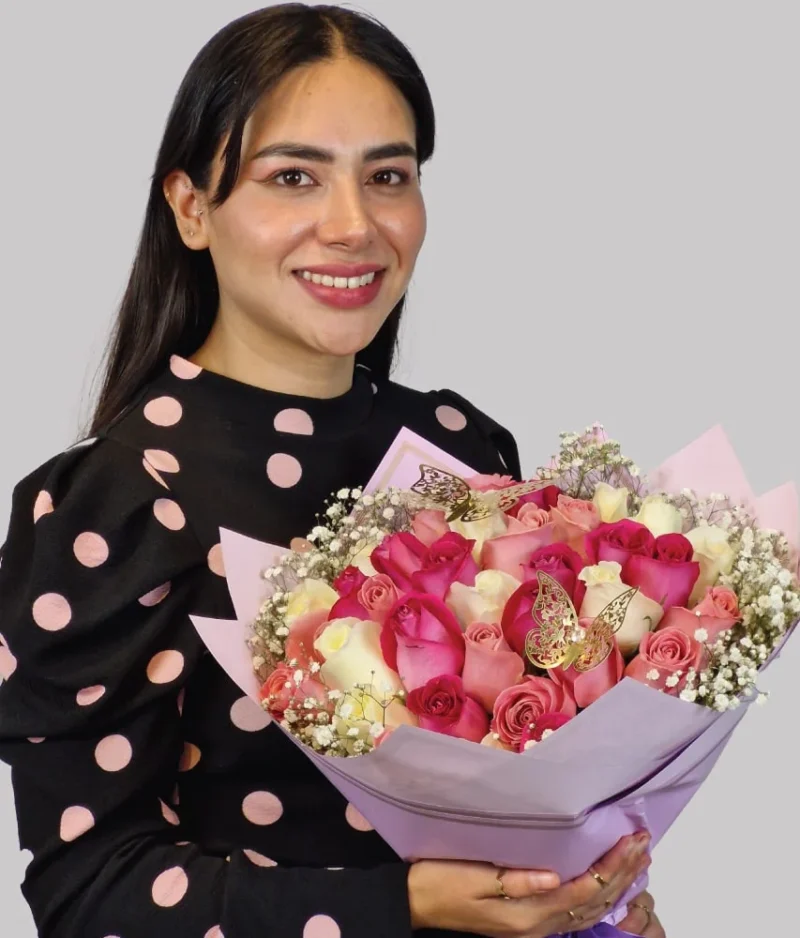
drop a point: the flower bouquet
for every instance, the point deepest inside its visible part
(518, 672)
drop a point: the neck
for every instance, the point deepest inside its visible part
(274, 364)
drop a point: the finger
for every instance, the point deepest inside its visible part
(618, 869)
(519, 884)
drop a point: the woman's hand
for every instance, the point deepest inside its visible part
(642, 919)
(480, 899)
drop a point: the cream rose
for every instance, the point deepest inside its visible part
(603, 584)
(352, 652)
(483, 602)
(659, 517)
(362, 561)
(376, 706)
(612, 503)
(310, 595)
(480, 531)
(712, 550)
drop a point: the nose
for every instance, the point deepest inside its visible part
(346, 218)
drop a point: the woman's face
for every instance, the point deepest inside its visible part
(328, 187)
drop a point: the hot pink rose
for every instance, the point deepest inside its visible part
(716, 612)
(280, 692)
(563, 564)
(508, 552)
(429, 525)
(489, 483)
(516, 621)
(399, 556)
(544, 498)
(304, 631)
(664, 653)
(421, 639)
(377, 595)
(618, 541)
(523, 704)
(546, 722)
(347, 585)
(529, 518)
(587, 686)
(490, 665)
(669, 575)
(574, 519)
(447, 561)
(443, 706)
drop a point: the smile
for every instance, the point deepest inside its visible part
(339, 283)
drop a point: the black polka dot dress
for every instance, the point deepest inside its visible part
(154, 800)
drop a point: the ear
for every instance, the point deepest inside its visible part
(190, 209)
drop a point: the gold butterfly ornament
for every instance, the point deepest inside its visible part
(558, 638)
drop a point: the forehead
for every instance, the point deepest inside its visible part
(343, 103)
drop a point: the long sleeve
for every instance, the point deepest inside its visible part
(99, 574)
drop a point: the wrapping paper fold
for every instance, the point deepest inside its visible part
(632, 760)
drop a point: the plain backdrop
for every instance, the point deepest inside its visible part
(614, 225)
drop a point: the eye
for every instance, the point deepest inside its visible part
(292, 178)
(382, 177)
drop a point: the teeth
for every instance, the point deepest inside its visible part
(341, 283)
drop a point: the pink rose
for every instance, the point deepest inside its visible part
(523, 704)
(443, 707)
(303, 633)
(664, 653)
(489, 483)
(490, 665)
(399, 556)
(447, 561)
(546, 722)
(719, 602)
(508, 552)
(429, 524)
(544, 498)
(716, 612)
(516, 621)
(618, 541)
(347, 585)
(377, 595)
(563, 564)
(280, 692)
(529, 518)
(574, 519)
(421, 639)
(668, 576)
(587, 686)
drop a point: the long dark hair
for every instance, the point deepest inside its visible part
(172, 295)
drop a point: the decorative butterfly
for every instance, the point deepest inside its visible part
(464, 503)
(559, 638)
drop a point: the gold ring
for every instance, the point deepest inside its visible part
(647, 912)
(598, 877)
(501, 889)
(573, 916)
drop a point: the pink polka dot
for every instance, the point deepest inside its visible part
(36, 739)
(321, 926)
(300, 545)
(165, 667)
(189, 757)
(262, 808)
(162, 460)
(450, 418)
(170, 887)
(90, 549)
(52, 612)
(294, 420)
(8, 663)
(89, 695)
(169, 815)
(215, 561)
(258, 858)
(154, 474)
(357, 820)
(284, 470)
(113, 753)
(75, 821)
(215, 932)
(154, 597)
(248, 716)
(169, 513)
(163, 411)
(42, 506)
(182, 368)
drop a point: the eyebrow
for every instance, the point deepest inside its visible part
(304, 151)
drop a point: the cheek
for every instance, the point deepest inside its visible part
(405, 226)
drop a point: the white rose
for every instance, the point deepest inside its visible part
(480, 531)
(362, 559)
(310, 595)
(659, 516)
(352, 653)
(483, 602)
(712, 550)
(643, 613)
(376, 706)
(611, 503)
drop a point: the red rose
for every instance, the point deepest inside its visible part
(563, 564)
(421, 639)
(545, 498)
(347, 585)
(667, 576)
(618, 541)
(516, 621)
(523, 704)
(448, 560)
(399, 556)
(443, 707)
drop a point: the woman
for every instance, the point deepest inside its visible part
(247, 380)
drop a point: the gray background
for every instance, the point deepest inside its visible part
(613, 235)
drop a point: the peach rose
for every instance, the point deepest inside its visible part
(574, 518)
(429, 524)
(665, 654)
(713, 615)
